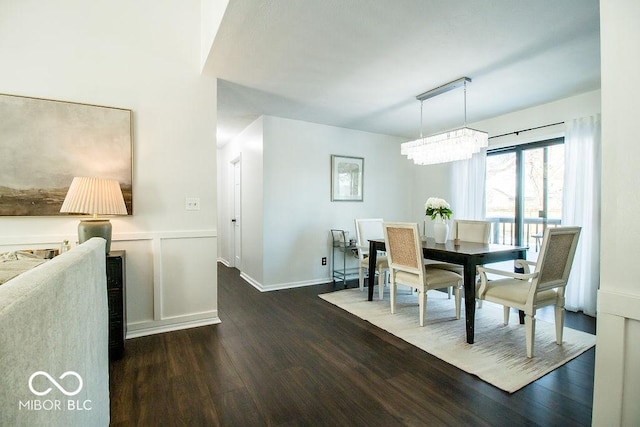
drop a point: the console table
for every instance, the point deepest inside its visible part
(116, 295)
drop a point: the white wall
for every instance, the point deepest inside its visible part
(298, 211)
(582, 105)
(144, 56)
(617, 372)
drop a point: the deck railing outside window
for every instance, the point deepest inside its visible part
(503, 230)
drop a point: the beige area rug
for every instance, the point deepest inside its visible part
(498, 355)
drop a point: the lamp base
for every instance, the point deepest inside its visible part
(89, 228)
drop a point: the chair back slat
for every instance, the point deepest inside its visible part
(556, 257)
(472, 231)
(367, 229)
(403, 248)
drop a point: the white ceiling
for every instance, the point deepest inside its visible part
(359, 64)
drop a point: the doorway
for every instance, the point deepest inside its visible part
(236, 217)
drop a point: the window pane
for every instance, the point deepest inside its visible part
(555, 182)
(501, 195)
(539, 191)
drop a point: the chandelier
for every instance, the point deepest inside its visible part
(449, 146)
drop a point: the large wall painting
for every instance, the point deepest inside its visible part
(45, 143)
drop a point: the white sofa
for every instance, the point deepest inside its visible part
(54, 320)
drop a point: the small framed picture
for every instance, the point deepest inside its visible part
(347, 178)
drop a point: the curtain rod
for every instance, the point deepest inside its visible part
(517, 132)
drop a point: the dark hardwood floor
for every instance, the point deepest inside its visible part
(288, 358)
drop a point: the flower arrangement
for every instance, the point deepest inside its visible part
(438, 207)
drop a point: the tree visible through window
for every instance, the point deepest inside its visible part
(524, 191)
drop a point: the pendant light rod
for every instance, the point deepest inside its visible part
(444, 88)
(465, 103)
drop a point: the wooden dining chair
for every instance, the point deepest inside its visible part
(367, 229)
(406, 266)
(544, 286)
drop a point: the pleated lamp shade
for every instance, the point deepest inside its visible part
(95, 196)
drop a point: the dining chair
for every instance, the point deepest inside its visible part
(467, 231)
(544, 286)
(367, 229)
(406, 266)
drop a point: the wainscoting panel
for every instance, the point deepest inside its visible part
(171, 277)
(189, 272)
(617, 373)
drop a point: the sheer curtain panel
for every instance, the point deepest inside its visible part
(581, 207)
(468, 185)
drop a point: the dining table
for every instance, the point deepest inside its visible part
(467, 254)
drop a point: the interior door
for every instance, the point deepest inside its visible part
(236, 223)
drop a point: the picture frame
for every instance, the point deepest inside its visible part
(347, 178)
(45, 143)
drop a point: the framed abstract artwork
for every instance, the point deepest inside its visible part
(347, 178)
(45, 143)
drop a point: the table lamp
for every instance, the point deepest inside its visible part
(96, 196)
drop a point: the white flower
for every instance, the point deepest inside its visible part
(436, 203)
(435, 207)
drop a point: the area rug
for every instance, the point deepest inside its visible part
(498, 355)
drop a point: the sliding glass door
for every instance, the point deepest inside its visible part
(524, 191)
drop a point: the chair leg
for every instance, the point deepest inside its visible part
(506, 315)
(479, 303)
(456, 292)
(361, 278)
(559, 324)
(381, 284)
(449, 292)
(392, 295)
(530, 326)
(422, 302)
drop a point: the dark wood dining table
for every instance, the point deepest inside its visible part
(467, 254)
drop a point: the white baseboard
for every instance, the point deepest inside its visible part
(142, 329)
(290, 285)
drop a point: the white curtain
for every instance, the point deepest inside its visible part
(581, 206)
(468, 187)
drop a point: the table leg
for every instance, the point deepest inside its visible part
(521, 270)
(470, 299)
(373, 255)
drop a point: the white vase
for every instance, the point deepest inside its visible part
(440, 230)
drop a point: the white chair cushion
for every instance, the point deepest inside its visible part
(517, 291)
(434, 279)
(381, 261)
(409, 279)
(456, 268)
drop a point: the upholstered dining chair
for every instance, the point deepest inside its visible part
(468, 231)
(406, 266)
(544, 286)
(367, 229)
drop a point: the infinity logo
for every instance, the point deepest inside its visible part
(55, 383)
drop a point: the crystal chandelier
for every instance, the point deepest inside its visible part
(449, 146)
